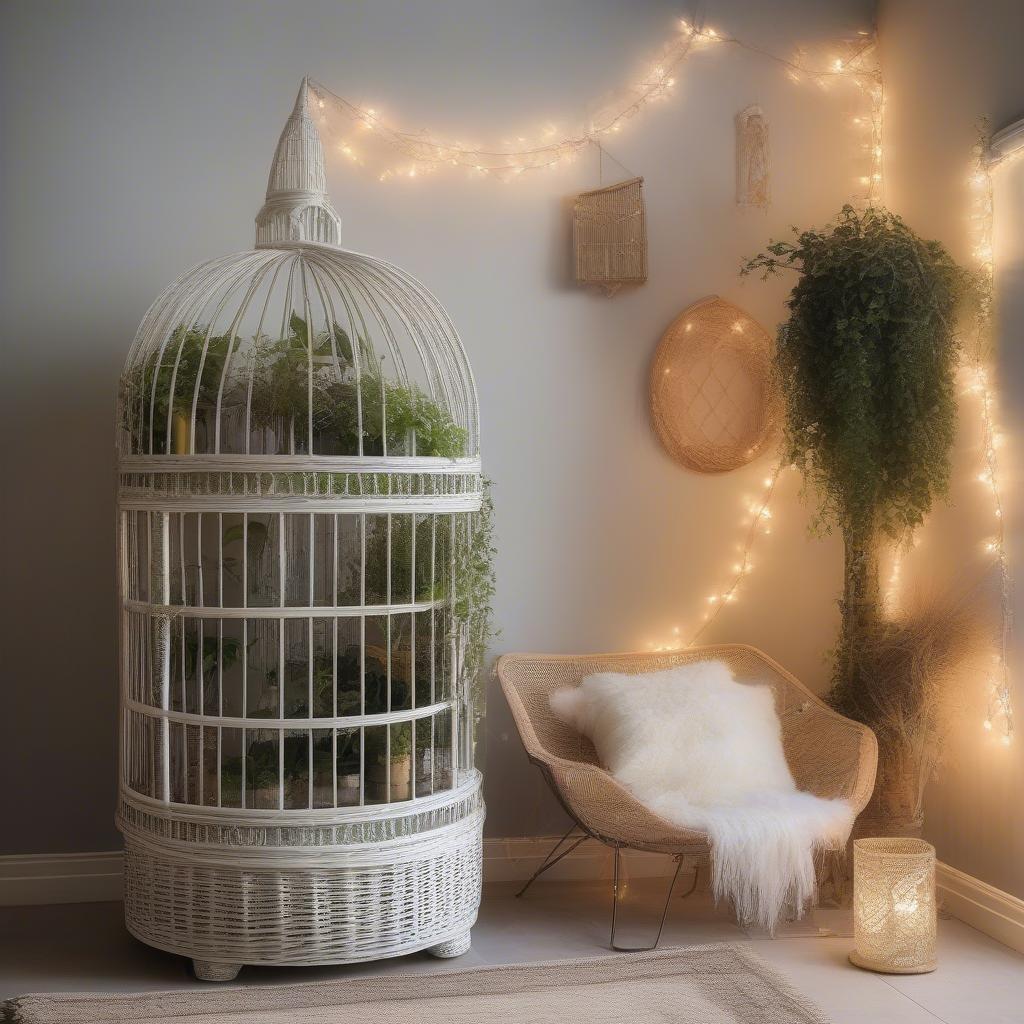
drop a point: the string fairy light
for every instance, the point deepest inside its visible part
(891, 598)
(980, 355)
(863, 69)
(758, 522)
(865, 72)
(422, 153)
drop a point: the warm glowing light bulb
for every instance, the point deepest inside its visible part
(988, 725)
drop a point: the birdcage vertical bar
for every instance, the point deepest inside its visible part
(387, 655)
(336, 652)
(124, 661)
(412, 655)
(362, 656)
(162, 643)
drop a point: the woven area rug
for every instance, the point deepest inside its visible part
(719, 984)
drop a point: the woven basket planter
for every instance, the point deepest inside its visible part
(299, 466)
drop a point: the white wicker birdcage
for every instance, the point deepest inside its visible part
(299, 478)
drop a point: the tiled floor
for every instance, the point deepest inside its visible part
(84, 946)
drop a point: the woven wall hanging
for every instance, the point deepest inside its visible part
(610, 235)
(714, 402)
(753, 159)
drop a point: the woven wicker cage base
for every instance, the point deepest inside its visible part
(223, 917)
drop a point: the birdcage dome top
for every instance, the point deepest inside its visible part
(298, 347)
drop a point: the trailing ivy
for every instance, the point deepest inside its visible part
(866, 363)
(474, 591)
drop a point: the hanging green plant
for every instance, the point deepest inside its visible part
(866, 363)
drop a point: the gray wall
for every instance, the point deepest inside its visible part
(136, 142)
(947, 63)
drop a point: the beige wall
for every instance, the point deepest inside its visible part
(946, 64)
(136, 142)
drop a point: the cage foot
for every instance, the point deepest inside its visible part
(211, 970)
(453, 947)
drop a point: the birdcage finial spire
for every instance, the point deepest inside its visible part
(297, 208)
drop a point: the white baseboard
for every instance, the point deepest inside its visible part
(96, 877)
(514, 860)
(93, 877)
(60, 878)
(982, 906)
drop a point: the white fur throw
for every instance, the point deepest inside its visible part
(705, 752)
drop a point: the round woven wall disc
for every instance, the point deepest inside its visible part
(714, 402)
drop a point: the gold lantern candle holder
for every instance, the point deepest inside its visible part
(894, 913)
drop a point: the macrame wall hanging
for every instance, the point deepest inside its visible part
(714, 402)
(753, 159)
(610, 235)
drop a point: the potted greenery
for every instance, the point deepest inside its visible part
(164, 386)
(280, 379)
(389, 781)
(297, 380)
(866, 363)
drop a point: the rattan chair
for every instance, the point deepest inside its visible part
(829, 755)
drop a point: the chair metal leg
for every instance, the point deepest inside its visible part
(548, 862)
(664, 912)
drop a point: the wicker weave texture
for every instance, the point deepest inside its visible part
(383, 906)
(610, 235)
(894, 911)
(714, 403)
(829, 755)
